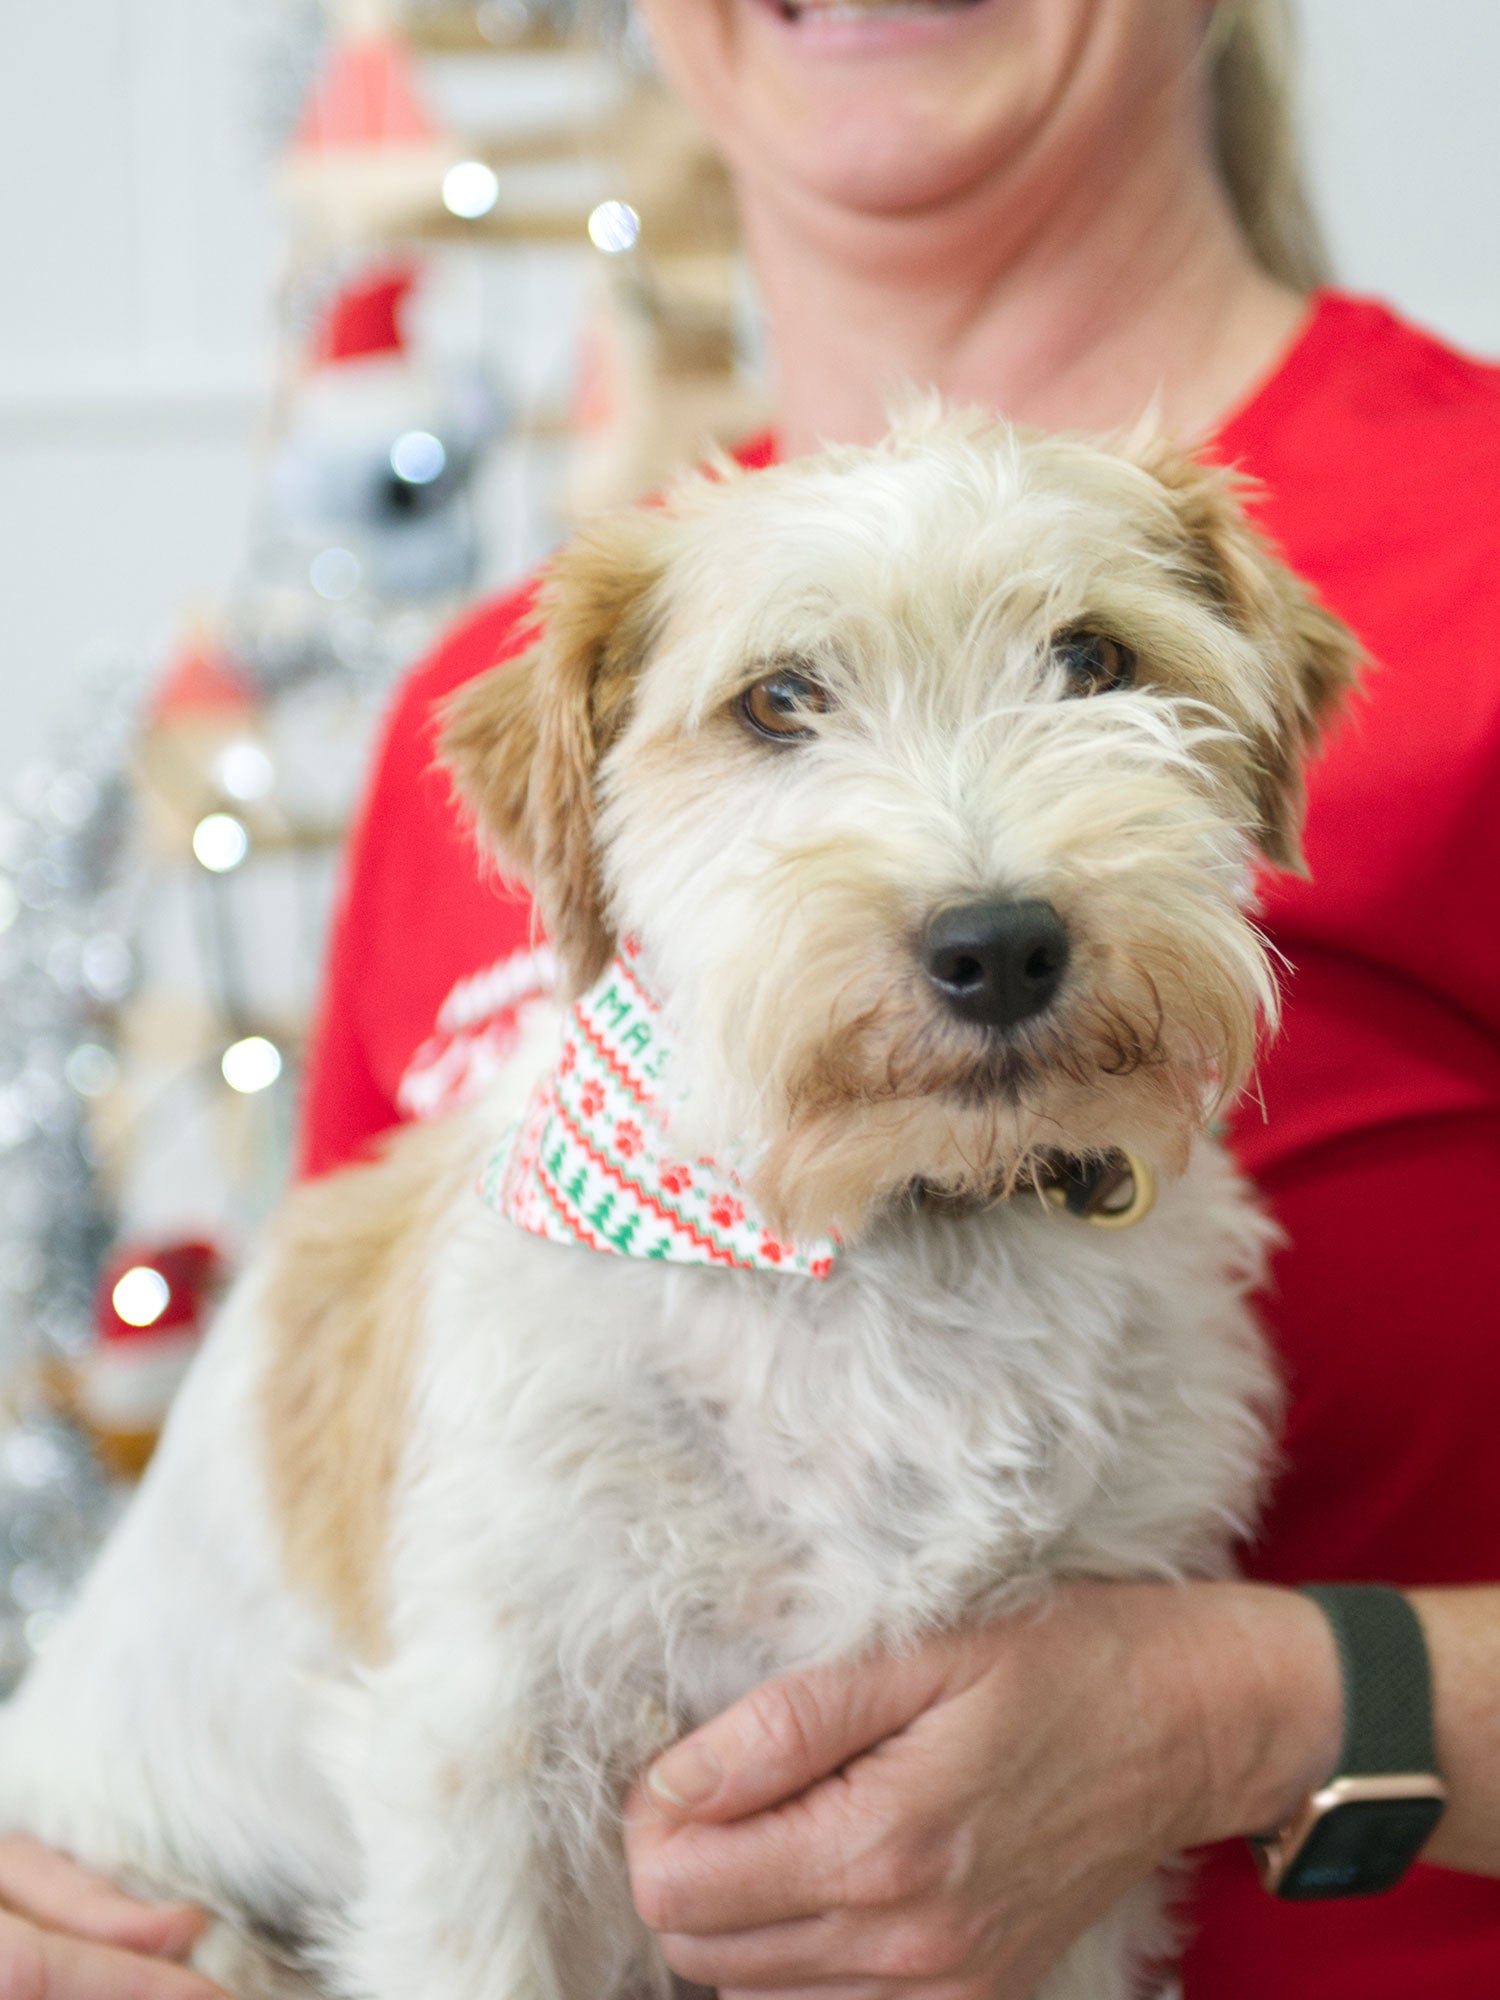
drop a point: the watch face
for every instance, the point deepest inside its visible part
(1360, 1847)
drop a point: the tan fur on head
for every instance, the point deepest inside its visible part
(1312, 656)
(928, 587)
(524, 741)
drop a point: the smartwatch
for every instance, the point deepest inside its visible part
(1359, 1833)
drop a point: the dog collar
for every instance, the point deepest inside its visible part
(590, 1161)
(1112, 1191)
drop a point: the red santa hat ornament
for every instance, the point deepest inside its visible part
(202, 681)
(365, 317)
(150, 1312)
(367, 155)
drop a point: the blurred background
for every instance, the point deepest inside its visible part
(143, 242)
(319, 318)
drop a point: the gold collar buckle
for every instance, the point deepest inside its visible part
(1112, 1191)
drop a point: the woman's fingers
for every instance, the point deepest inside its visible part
(931, 1945)
(728, 1878)
(56, 1892)
(38, 1964)
(789, 1732)
(841, 1846)
(773, 1959)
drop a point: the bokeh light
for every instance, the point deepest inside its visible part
(90, 1069)
(334, 573)
(251, 1064)
(243, 771)
(418, 457)
(470, 189)
(140, 1295)
(221, 842)
(614, 227)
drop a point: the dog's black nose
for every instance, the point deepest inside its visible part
(997, 963)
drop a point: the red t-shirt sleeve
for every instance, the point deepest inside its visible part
(411, 881)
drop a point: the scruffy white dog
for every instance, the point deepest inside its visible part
(892, 816)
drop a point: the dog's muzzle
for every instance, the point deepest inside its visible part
(996, 963)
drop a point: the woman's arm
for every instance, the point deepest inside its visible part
(957, 1815)
(1463, 1639)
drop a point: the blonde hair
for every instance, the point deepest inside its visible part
(1252, 84)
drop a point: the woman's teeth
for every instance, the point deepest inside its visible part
(859, 10)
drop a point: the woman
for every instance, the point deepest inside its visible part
(1069, 209)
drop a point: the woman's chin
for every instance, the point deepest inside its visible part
(878, 106)
(877, 153)
(855, 179)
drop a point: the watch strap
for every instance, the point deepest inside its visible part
(1387, 1679)
(1358, 1833)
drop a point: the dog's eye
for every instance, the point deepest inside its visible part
(1094, 663)
(781, 705)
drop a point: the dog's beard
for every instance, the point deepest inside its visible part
(848, 1101)
(818, 1057)
(984, 1126)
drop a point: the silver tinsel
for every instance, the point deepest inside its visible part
(66, 914)
(74, 890)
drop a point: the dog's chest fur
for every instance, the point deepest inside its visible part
(697, 1478)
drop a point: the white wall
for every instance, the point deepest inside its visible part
(136, 253)
(137, 247)
(1403, 143)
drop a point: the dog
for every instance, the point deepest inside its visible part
(848, 1255)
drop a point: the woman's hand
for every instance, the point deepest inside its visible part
(947, 1821)
(68, 1934)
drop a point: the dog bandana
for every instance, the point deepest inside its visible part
(590, 1161)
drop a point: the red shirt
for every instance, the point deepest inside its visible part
(1378, 450)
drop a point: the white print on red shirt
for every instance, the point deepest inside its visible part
(478, 1027)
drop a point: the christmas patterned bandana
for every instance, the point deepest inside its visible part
(590, 1162)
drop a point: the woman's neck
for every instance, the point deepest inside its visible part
(1079, 307)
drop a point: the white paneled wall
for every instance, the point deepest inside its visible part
(137, 254)
(136, 258)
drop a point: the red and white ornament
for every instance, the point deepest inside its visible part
(151, 1310)
(368, 157)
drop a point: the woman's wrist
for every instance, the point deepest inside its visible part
(1263, 1705)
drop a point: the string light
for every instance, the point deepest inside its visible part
(251, 1064)
(418, 457)
(470, 189)
(221, 842)
(614, 227)
(140, 1295)
(244, 771)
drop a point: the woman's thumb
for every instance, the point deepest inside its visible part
(789, 1732)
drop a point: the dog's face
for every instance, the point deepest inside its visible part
(928, 777)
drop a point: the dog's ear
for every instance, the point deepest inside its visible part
(524, 741)
(1311, 657)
